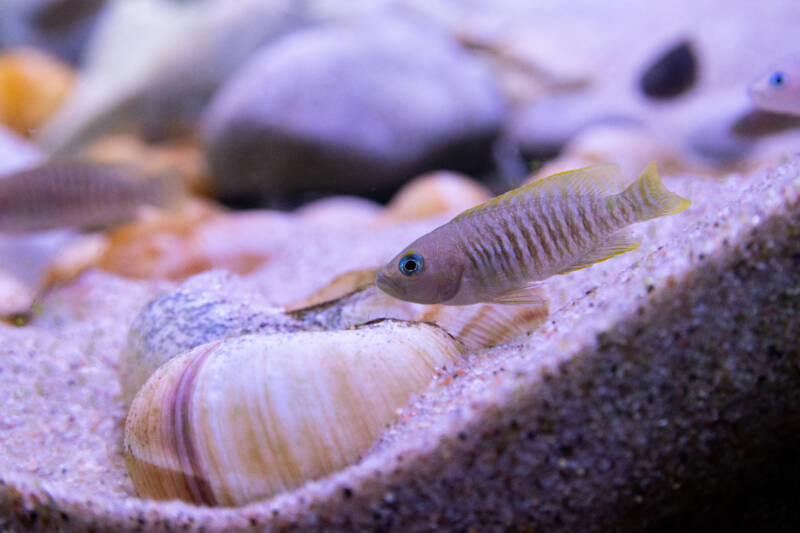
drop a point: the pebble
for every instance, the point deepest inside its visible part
(355, 109)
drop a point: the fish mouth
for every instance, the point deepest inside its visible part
(386, 284)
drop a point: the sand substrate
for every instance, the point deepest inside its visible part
(661, 395)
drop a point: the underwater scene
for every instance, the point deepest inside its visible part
(399, 265)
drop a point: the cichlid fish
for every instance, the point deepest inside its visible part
(779, 89)
(77, 194)
(500, 250)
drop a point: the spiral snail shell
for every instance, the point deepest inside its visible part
(243, 418)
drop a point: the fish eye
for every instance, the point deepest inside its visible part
(410, 264)
(778, 79)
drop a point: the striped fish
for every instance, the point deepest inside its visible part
(500, 250)
(77, 194)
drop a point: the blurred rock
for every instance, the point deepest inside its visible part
(434, 194)
(672, 73)
(353, 109)
(161, 84)
(759, 123)
(24, 262)
(343, 212)
(630, 146)
(182, 160)
(526, 67)
(159, 246)
(541, 128)
(61, 27)
(16, 153)
(713, 138)
(32, 86)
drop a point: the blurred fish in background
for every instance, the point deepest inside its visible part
(78, 195)
(779, 89)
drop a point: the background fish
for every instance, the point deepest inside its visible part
(76, 194)
(779, 89)
(499, 250)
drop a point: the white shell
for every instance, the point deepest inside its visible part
(240, 419)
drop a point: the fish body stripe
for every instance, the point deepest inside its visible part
(526, 230)
(507, 257)
(514, 241)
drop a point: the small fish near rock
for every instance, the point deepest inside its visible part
(75, 194)
(500, 250)
(779, 89)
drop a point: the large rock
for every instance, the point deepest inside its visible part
(353, 109)
(15, 152)
(62, 27)
(161, 84)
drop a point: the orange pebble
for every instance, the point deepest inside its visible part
(32, 86)
(436, 193)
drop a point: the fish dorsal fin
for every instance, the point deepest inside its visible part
(598, 180)
(531, 294)
(616, 244)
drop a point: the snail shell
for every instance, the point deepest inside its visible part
(243, 418)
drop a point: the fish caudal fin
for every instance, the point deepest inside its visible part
(651, 198)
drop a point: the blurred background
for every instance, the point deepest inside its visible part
(275, 104)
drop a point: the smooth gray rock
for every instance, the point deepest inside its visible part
(352, 109)
(161, 85)
(61, 27)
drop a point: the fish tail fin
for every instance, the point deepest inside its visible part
(651, 198)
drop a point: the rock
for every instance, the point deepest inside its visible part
(183, 161)
(206, 307)
(713, 137)
(435, 194)
(32, 86)
(672, 73)
(542, 128)
(630, 146)
(353, 109)
(16, 153)
(758, 123)
(161, 85)
(60, 27)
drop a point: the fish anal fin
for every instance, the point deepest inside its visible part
(485, 325)
(532, 294)
(616, 244)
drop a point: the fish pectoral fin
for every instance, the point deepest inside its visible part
(616, 244)
(532, 294)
